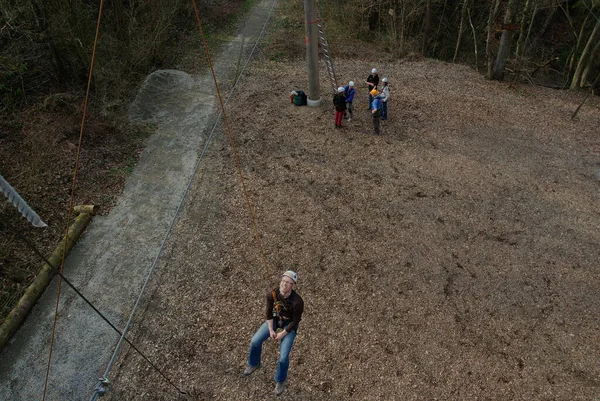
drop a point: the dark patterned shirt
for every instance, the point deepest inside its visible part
(290, 309)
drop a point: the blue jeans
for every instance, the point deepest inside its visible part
(384, 111)
(370, 101)
(261, 335)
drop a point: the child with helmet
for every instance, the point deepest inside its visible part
(349, 92)
(339, 102)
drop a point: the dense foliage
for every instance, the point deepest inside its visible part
(45, 53)
(557, 36)
(47, 45)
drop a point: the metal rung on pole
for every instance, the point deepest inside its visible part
(326, 56)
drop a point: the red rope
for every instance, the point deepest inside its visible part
(72, 197)
(235, 153)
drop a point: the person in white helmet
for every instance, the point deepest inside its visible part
(372, 82)
(282, 317)
(385, 97)
(349, 92)
(339, 102)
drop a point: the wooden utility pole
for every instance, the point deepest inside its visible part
(312, 53)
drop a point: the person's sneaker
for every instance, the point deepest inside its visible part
(250, 369)
(278, 388)
(349, 119)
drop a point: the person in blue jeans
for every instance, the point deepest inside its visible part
(385, 97)
(377, 107)
(282, 317)
(372, 83)
(349, 91)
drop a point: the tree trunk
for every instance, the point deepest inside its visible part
(505, 40)
(521, 40)
(436, 38)
(590, 64)
(488, 43)
(394, 25)
(463, 16)
(474, 42)
(402, 23)
(535, 41)
(42, 23)
(426, 27)
(379, 32)
(41, 281)
(531, 21)
(583, 59)
(578, 43)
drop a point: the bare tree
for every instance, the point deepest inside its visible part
(522, 36)
(41, 20)
(586, 58)
(506, 39)
(402, 25)
(426, 26)
(474, 40)
(494, 5)
(578, 38)
(590, 63)
(534, 41)
(461, 28)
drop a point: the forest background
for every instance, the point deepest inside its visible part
(46, 49)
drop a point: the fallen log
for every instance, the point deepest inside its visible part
(89, 209)
(44, 277)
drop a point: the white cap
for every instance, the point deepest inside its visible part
(351, 83)
(340, 89)
(384, 80)
(290, 273)
(374, 70)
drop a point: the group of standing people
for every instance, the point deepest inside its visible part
(379, 95)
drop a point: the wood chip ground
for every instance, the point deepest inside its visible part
(455, 257)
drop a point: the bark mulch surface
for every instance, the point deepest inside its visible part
(454, 257)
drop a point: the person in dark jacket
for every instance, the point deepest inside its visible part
(349, 92)
(284, 312)
(372, 82)
(339, 101)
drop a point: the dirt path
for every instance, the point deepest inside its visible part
(453, 258)
(112, 260)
